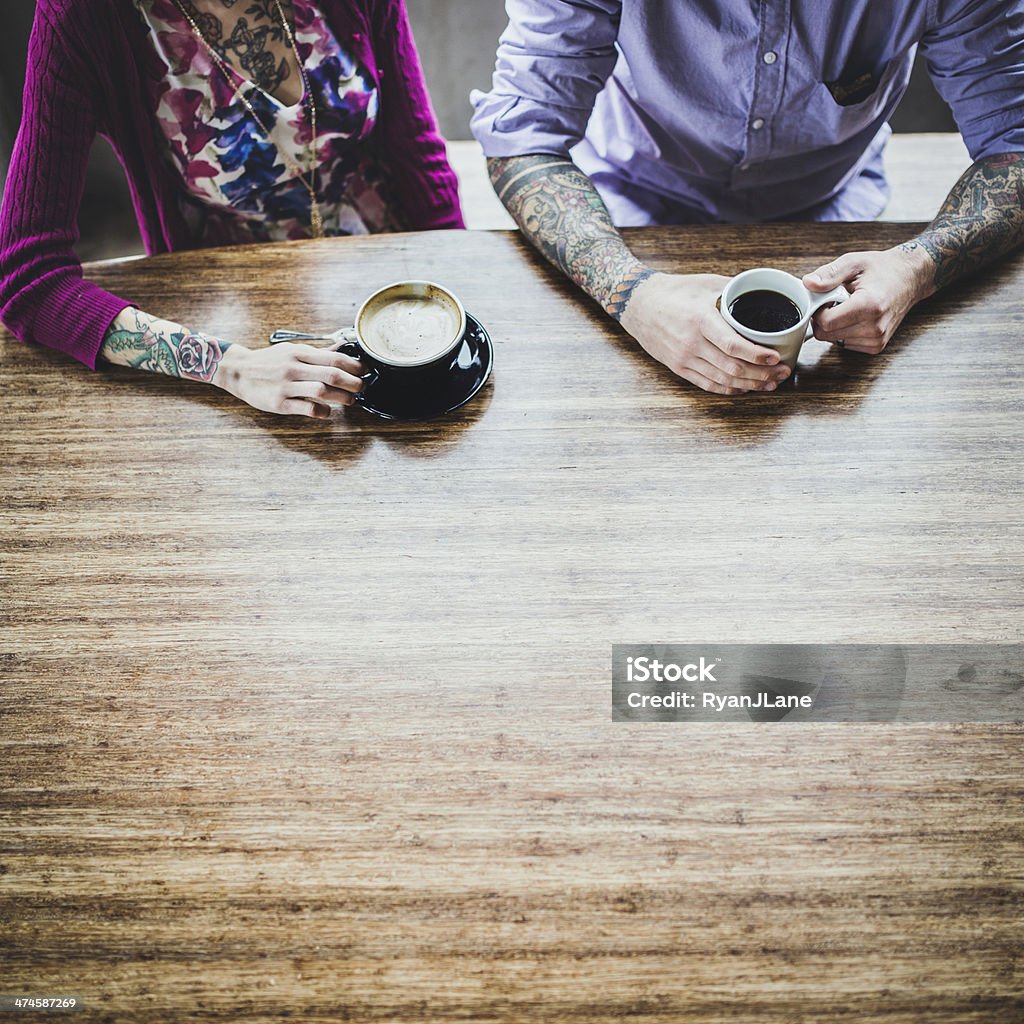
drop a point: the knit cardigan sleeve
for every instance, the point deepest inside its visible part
(408, 131)
(43, 296)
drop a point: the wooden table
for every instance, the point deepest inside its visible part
(315, 720)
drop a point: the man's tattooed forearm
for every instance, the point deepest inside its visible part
(561, 213)
(145, 343)
(981, 220)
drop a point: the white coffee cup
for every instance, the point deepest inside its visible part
(789, 342)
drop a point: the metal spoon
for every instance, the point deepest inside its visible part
(344, 334)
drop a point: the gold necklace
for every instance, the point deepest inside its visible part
(310, 183)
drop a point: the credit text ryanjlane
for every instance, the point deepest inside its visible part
(717, 702)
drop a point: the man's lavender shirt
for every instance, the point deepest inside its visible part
(719, 110)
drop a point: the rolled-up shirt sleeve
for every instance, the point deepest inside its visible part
(553, 60)
(975, 56)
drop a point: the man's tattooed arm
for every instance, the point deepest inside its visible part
(561, 213)
(141, 341)
(981, 220)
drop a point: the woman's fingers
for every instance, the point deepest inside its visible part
(297, 407)
(334, 370)
(327, 357)
(332, 376)
(319, 391)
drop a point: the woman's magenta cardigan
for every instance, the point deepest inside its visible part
(89, 66)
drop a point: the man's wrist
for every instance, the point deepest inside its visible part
(920, 265)
(635, 313)
(626, 287)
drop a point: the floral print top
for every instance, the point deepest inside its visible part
(237, 186)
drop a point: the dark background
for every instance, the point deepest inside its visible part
(457, 41)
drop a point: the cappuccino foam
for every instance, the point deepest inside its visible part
(409, 330)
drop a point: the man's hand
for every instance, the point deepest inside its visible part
(675, 319)
(883, 287)
(672, 316)
(981, 220)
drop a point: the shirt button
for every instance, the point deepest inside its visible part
(771, 57)
(757, 124)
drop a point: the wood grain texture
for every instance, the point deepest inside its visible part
(315, 720)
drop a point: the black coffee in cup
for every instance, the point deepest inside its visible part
(765, 311)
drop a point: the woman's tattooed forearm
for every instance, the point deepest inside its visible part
(145, 343)
(981, 220)
(561, 213)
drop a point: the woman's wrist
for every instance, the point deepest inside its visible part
(231, 368)
(146, 342)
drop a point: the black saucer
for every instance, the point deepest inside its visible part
(441, 394)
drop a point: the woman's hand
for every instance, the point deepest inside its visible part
(293, 380)
(674, 318)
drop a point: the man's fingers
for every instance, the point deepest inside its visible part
(735, 372)
(868, 348)
(872, 343)
(731, 380)
(724, 338)
(869, 338)
(707, 384)
(838, 272)
(861, 333)
(734, 356)
(861, 309)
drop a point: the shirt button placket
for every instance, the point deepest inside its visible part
(774, 20)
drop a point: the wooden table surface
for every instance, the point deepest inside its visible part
(315, 720)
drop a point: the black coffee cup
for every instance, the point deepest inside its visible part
(406, 333)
